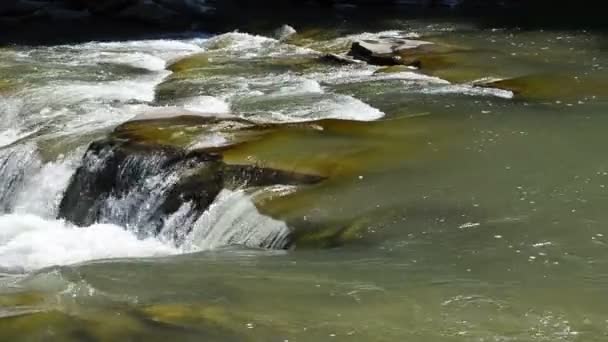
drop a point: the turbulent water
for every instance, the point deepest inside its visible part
(456, 212)
(76, 90)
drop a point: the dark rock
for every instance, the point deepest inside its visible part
(139, 184)
(385, 51)
(334, 58)
(374, 53)
(127, 183)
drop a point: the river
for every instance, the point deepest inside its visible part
(448, 211)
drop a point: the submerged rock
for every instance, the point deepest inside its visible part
(553, 87)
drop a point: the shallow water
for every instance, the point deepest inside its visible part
(467, 213)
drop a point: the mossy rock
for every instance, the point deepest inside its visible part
(324, 236)
(142, 150)
(195, 61)
(232, 323)
(180, 131)
(334, 148)
(58, 146)
(184, 129)
(93, 324)
(207, 64)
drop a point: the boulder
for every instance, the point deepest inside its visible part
(384, 51)
(284, 32)
(130, 180)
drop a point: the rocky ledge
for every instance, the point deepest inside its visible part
(149, 168)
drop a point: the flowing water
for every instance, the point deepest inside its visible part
(449, 212)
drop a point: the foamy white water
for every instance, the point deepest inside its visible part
(69, 100)
(308, 107)
(303, 86)
(244, 46)
(470, 90)
(207, 104)
(41, 193)
(28, 242)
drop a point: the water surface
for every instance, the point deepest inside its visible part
(467, 213)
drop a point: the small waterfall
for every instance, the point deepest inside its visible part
(136, 204)
(27, 185)
(136, 187)
(17, 163)
(234, 219)
(191, 200)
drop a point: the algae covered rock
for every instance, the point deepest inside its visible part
(137, 179)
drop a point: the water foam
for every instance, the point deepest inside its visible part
(9, 131)
(134, 59)
(140, 89)
(41, 193)
(350, 108)
(245, 46)
(304, 86)
(30, 186)
(307, 107)
(165, 49)
(28, 242)
(471, 90)
(207, 104)
(9, 136)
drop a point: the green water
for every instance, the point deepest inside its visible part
(463, 217)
